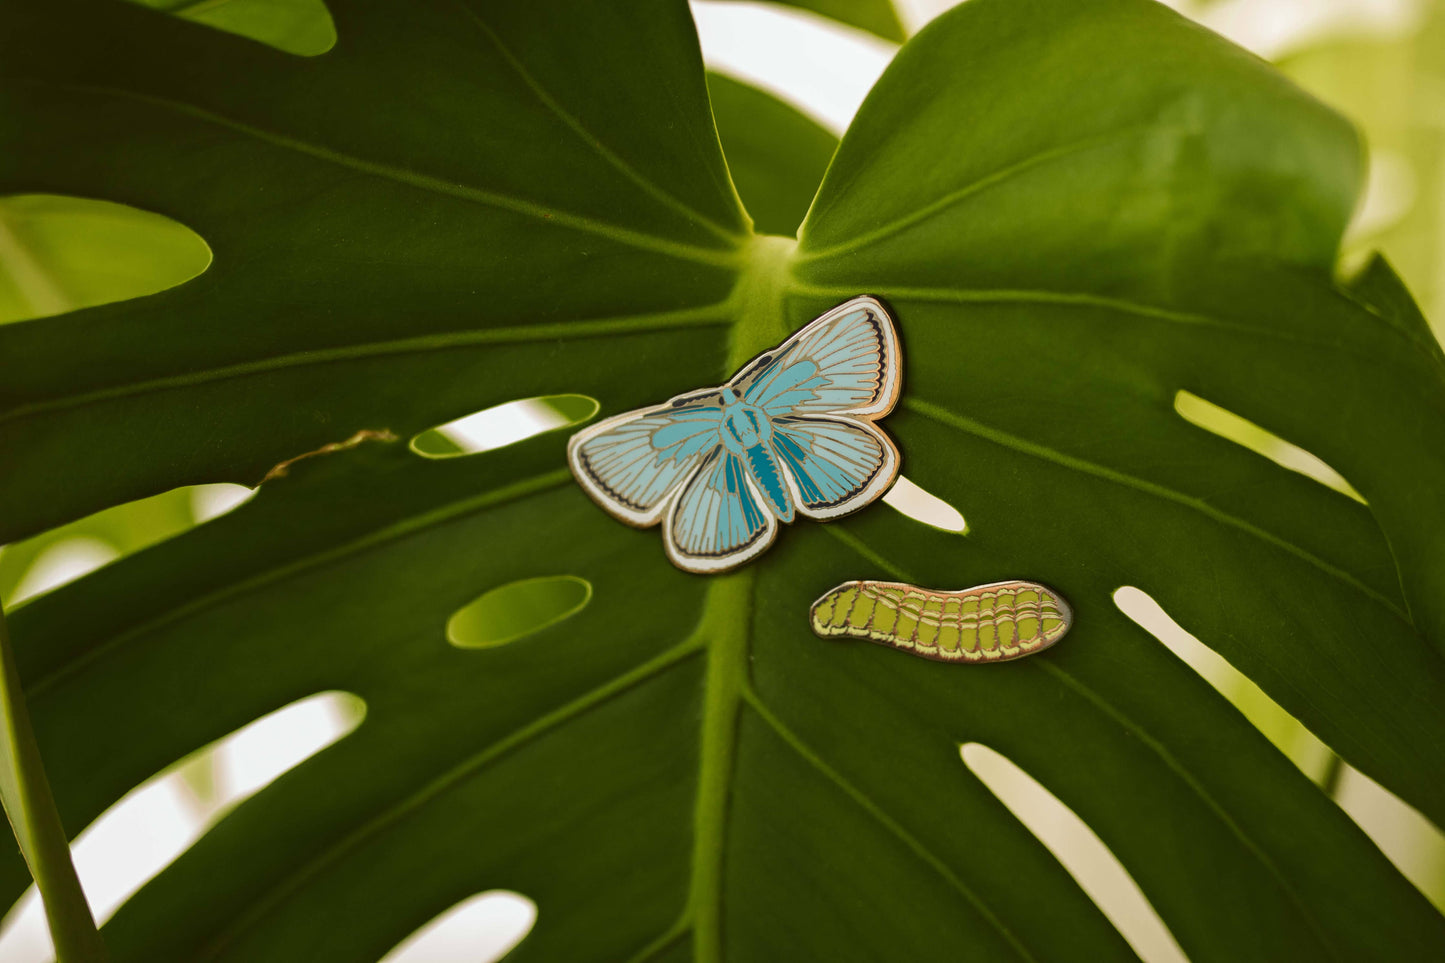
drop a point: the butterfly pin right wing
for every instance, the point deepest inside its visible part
(822, 389)
(846, 362)
(838, 465)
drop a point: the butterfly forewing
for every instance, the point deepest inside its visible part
(633, 463)
(845, 362)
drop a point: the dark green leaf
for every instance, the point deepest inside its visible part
(554, 209)
(455, 209)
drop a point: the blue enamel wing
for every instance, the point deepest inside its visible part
(792, 432)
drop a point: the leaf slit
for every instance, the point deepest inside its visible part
(1079, 849)
(191, 796)
(961, 423)
(1230, 426)
(488, 925)
(1407, 838)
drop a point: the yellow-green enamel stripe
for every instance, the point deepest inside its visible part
(986, 623)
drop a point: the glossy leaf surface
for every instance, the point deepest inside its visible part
(463, 205)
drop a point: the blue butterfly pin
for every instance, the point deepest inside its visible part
(792, 432)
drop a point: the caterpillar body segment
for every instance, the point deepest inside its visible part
(986, 623)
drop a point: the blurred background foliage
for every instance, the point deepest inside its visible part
(1380, 62)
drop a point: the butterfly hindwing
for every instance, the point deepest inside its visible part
(838, 465)
(718, 521)
(632, 463)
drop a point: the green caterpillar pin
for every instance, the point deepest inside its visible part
(986, 623)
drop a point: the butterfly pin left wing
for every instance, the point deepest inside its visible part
(633, 464)
(793, 429)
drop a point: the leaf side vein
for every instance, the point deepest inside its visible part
(1174, 766)
(881, 816)
(587, 701)
(958, 422)
(592, 141)
(982, 184)
(519, 334)
(425, 182)
(1165, 756)
(1069, 299)
(225, 593)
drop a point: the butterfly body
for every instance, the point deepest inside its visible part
(791, 433)
(747, 432)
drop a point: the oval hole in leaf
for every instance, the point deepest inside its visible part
(153, 824)
(517, 609)
(1407, 838)
(60, 253)
(301, 27)
(478, 929)
(1226, 424)
(503, 425)
(1096, 869)
(922, 506)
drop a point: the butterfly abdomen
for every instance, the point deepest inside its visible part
(987, 623)
(763, 465)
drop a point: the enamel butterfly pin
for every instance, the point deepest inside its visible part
(792, 433)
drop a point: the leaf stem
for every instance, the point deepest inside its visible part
(25, 792)
(757, 298)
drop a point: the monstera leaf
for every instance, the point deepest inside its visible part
(1076, 210)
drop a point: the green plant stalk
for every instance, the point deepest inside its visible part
(25, 792)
